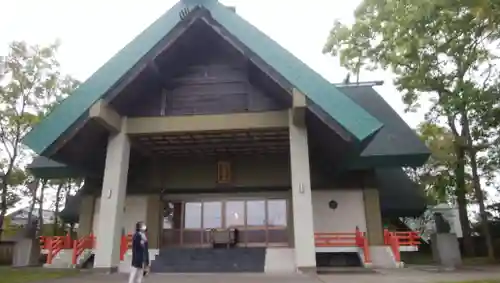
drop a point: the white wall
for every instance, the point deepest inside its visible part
(135, 210)
(349, 213)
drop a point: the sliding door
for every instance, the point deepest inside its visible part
(259, 222)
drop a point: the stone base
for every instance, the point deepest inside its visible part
(445, 250)
(307, 269)
(26, 253)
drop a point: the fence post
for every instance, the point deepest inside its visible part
(123, 246)
(386, 237)
(92, 240)
(75, 252)
(48, 242)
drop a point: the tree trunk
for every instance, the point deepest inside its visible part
(56, 210)
(3, 210)
(476, 183)
(460, 193)
(40, 210)
(33, 201)
(478, 192)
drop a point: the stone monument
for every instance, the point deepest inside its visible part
(445, 248)
(27, 247)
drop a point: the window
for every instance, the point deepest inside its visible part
(212, 214)
(192, 215)
(256, 213)
(235, 214)
(276, 210)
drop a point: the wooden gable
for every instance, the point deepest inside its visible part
(140, 55)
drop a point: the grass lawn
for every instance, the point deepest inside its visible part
(479, 281)
(23, 275)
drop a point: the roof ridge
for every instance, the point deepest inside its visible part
(321, 92)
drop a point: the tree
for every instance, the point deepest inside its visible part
(31, 82)
(59, 190)
(442, 53)
(437, 176)
(32, 189)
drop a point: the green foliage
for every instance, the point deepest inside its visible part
(444, 53)
(437, 176)
(431, 46)
(31, 84)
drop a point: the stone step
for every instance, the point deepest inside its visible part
(207, 260)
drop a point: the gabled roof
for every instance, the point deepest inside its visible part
(43, 167)
(399, 195)
(396, 144)
(353, 118)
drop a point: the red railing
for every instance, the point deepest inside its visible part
(355, 239)
(397, 239)
(408, 238)
(55, 245)
(81, 245)
(125, 245)
(335, 239)
(46, 240)
(392, 241)
(362, 243)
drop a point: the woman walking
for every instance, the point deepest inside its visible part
(140, 254)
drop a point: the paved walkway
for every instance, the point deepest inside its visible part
(407, 275)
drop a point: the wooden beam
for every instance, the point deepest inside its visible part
(299, 107)
(205, 123)
(106, 116)
(227, 145)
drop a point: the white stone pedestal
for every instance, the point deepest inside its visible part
(445, 250)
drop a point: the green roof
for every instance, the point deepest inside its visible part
(396, 144)
(341, 108)
(45, 168)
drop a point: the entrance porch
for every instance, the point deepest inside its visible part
(257, 173)
(255, 176)
(249, 176)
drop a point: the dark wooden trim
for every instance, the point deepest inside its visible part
(202, 220)
(155, 70)
(66, 136)
(275, 76)
(328, 121)
(252, 57)
(244, 238)
(181, 240)
(164, 44)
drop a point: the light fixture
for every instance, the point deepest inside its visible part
(301, 188)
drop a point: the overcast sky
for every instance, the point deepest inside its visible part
(92, 31)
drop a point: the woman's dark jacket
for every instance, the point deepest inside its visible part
(140, 254)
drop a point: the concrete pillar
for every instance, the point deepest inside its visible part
(85, 216)
(153, 221)
(373, 215)
(112, 203)
(305, 253)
